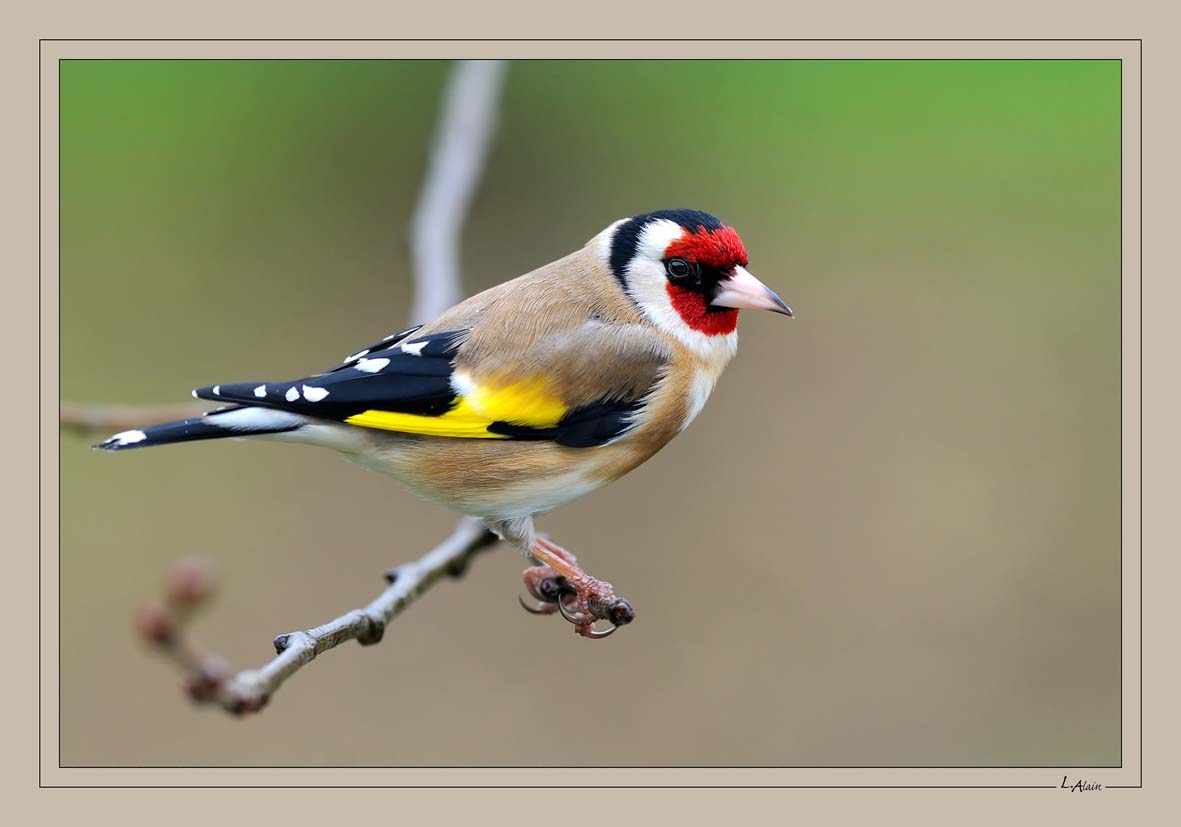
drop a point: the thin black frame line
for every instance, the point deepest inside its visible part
(61, 766)
(592, 40)
(556, 787)
(445, 59)
(40, 442)
(592, 59)
(558, 767)
(59, 438)
(1140, 81)
(1141, 343)
(793, 767)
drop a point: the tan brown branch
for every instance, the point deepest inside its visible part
(105, 419)
(467, 124)
(207, 678)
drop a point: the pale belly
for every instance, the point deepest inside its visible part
(491, 478)
(504, 479)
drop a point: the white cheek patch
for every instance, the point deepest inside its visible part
(646, 279)
(655, 238)
(647, 283)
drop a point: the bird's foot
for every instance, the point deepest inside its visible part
(590, 600)
(546, 585)
(563, 587)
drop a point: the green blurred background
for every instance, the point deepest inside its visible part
(891, 538)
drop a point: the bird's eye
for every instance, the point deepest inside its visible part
(678, 268)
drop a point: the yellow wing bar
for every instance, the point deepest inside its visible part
(528, 403)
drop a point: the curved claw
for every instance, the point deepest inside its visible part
(582, 623)
(543, 609)
(596, 635)
(578, 619)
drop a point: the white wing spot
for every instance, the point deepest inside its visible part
(354, 357)
(415, 348)
(371, 365)
(292, 394)
(195, 395)
(462, 384)
(260, 391)
(217, 390)
(128, 437)
(314, 394)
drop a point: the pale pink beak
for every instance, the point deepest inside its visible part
(744, 290)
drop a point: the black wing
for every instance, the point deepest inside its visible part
(410, 376)
(404, 384)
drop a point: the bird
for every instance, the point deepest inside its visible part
(527, 395)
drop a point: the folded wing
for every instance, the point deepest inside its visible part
(580, 389)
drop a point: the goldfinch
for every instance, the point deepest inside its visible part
(527, 395)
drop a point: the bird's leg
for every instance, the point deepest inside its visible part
(560, 583)
(546, 585)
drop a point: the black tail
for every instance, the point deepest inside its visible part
(228, 422)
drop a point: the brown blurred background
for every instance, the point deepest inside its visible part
(891, 538)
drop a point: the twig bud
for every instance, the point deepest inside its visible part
(200, 685)
(155, 625)
(190, 582)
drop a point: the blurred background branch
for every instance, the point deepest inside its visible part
(464, 134)
(460, 146)
(207, 678)
(104, 419)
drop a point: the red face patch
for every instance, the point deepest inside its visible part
(719, 249)
(691, 307)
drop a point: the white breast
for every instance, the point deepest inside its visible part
(699, 391)
(709, 366)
